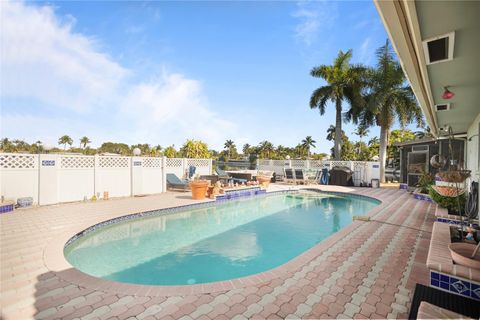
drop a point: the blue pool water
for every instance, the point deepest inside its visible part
(223, 241)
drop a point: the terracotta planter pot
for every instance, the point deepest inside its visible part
(199, 189)
(461, 253)
(263, 180)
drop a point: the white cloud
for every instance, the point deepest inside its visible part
(67, 75)
(44, 59)
(314, 17)
(175, 106)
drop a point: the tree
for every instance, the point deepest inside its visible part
(170, 152)
(84, 141)
(361, 132)
(265, 149)
(388, 97)
(230, 148)
(308, 143)
(112, 147)
(65, 140)
(423, 133)
(344, 83)
(195, 149)
(246, 149)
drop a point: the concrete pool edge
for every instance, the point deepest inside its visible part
(55, 260)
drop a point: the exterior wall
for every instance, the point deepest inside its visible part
(57, 178)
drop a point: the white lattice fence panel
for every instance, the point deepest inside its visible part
(77, 162)
(279, 163)
(316, 164)
(174, 163)
(264, 162)
(199, 163)
(113, 162)
(18, 161)
(340, 164)
(299, 164)
(152, 162)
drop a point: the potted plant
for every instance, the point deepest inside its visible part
(446, 197)
(199, 188)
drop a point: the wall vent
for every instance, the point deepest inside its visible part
(439, 49)
(421, 148)
(442, 107)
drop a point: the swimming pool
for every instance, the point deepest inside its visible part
(216, 242)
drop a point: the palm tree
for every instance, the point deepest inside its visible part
(65, 140)
(229, 145)
(84, 141)
(361, 132)
(373, 141)
(423, 134)
(344, 83)
(265, 149)
(331, 133)
(246, 149)
(389, 97)
(308, 143)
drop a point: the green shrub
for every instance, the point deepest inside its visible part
(449, 203)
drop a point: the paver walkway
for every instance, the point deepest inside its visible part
(369, 271)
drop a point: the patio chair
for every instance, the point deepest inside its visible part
(299, 177)
(174, 182)
(223, 175)
(318, 176)
(289, 178)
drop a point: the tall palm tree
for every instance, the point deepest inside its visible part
(84, 141)
(344, 84)
(308, 143)
(65, 140)
(229, 145)
(389, 98)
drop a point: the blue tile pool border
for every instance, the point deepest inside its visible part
(454, 284)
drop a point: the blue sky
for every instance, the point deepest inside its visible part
(162, 72)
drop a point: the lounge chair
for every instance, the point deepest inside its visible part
(299, 177)
(174, 182)
(316, 179)
(224, 176)
(289, 178)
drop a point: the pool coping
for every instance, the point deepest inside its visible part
(55, 261)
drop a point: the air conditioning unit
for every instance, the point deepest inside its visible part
(439, 49)
(443, 107)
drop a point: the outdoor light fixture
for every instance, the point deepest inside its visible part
(447, 94)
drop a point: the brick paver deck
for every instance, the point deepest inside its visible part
(367, 270)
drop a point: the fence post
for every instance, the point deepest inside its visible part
(210, 161)
(164, 174)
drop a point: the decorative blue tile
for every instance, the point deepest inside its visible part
(460, 287)
(444, 278)
(475, 291)
(444, 285)
(435, 283)
(435, 275)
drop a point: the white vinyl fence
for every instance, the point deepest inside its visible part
(363, 171)
(56, 178)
